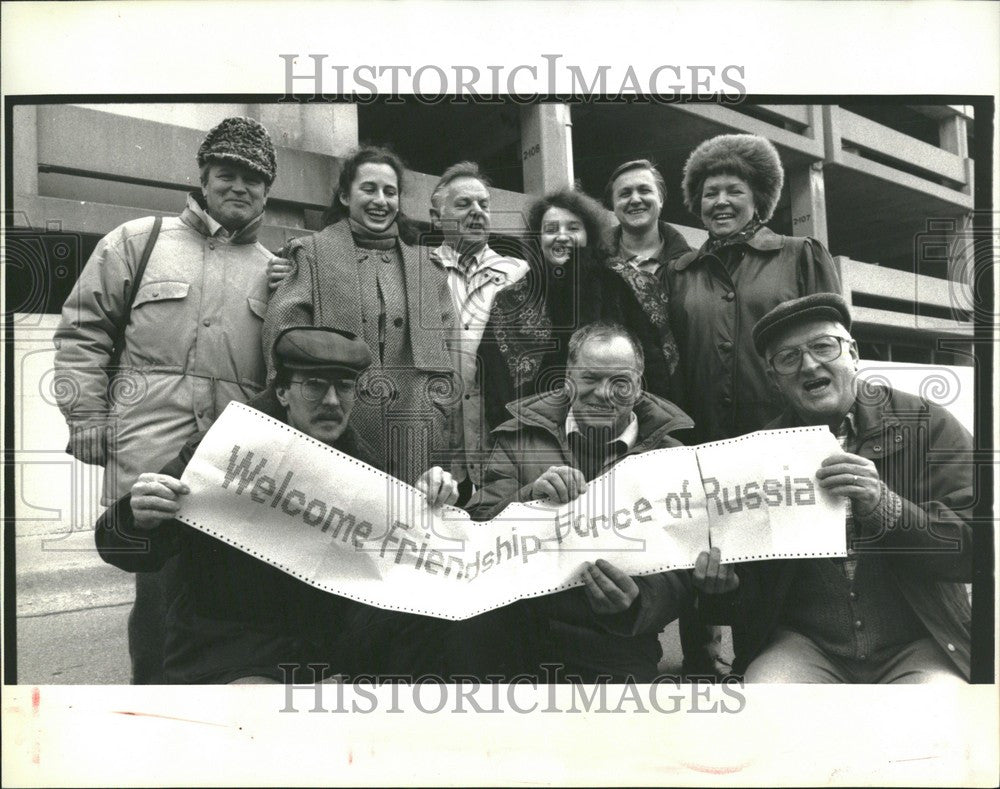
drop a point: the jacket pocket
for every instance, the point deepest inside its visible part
(160, 291)
(257, 307)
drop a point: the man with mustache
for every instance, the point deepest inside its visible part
(895, 610)
(460, 210)
(237, 618)
(552, 448)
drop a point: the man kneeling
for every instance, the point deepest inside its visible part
(895, 610)
(237, 618)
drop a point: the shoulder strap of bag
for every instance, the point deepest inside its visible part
(140, 270)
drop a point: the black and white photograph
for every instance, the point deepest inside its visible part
(533, 398)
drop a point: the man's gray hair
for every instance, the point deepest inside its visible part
(458, 170)
(605, 330)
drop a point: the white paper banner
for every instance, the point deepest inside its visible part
(345, 527)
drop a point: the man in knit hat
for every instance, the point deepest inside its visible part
(895, 610)
(147, 358)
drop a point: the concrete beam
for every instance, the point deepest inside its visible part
(872, 136)
(807, 190)
(809, 142)
(25, 153)
(330, 129)
(76, 139)
(546, 147)
(953, 132)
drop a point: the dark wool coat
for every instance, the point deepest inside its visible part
(724, 382)
(922, 454)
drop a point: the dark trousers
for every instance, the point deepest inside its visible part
(154, 594)
(701, 645)
(375, 642)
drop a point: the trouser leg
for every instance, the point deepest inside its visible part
(701, 645)
(920, 662)
(793, 658)
(154, 594)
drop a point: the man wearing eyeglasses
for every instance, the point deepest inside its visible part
(238, 619)
(895, 610)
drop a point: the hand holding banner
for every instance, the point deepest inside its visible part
(347, 528)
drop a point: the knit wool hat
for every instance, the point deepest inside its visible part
(748, 156)
(242, 141)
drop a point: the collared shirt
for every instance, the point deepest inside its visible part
(594, 452)
(474, 280)
(628, 436)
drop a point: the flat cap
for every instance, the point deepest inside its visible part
(241, 141)
(815, 307)
(318, 348)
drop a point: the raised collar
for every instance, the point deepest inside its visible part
(628, 436)
(613, 240)
(764, 240)
(195, 216)
(655, 417)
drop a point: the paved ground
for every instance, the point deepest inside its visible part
(71, 612)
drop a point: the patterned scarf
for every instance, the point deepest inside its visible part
(653, 299)
(715, 243)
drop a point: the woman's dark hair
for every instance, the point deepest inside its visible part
(627, 167)
(367, 154)
(579, 204)
(574, 296)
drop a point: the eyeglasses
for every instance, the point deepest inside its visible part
(823, 349)
(315, 389)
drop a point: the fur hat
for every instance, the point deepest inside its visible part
(752, 158)
(242, 141)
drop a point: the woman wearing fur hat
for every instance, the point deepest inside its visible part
(717, 293)
(186, 344)
(359, 274)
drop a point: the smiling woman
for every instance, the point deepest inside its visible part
(359, 275)
(718, 292)
(569, 286)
